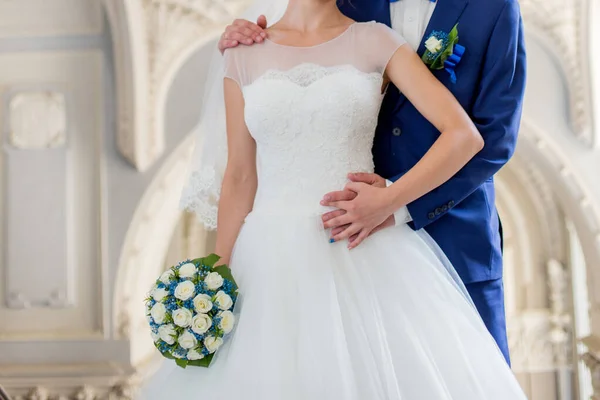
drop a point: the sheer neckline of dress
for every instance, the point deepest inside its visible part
(333, 39)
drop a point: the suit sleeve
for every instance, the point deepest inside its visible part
(496, 114)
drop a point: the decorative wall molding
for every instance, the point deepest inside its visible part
(52, 106)
(592, 361)
(570, 192)
(121, 391)
(37, 120)
(563, 26)
(532, 349)
(546, 208)
(561, 331)
(153, 38)
(146, 243)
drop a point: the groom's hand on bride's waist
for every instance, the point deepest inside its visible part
(337, 220)
(244, 32)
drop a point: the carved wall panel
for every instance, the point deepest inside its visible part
(39, 223)
(50, 260)
(37, 120)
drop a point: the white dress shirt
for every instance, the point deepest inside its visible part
(410, 19)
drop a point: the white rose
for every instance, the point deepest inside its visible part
(227, 321)
(212, 343)
(167, 333)
(182, 317)
(201, 323)
(155, 336)
(185, 290)
(166, 276)
(158, 313)
(213, 280)
(223, 300)
(194, 355)
(202, 303)
(433, 44)
(159, 294)
(187, 340)
(187, 270)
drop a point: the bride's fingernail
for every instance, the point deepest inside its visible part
(331, 240)
(326, 198)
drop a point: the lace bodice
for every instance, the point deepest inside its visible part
(312, 112)
(312, 125)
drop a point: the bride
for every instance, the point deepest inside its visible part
(387, 320)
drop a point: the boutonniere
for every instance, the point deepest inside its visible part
(443, 51)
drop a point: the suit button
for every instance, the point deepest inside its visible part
(438, 211)
(431, 215)
(444, 208)
(451, 203)
(396, 132)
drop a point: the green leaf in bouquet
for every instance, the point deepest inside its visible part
(181, 363)
(205, 362)
(210, 260)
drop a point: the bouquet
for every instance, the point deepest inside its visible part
(189, 309)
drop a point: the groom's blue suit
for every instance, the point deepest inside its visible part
(461, 215)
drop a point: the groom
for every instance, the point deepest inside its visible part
(489, 83)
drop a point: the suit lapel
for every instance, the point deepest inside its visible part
(445, 16)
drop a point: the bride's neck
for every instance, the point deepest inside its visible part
(311, 15)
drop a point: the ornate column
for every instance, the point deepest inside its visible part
(592, 361)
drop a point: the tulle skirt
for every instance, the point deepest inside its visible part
(388, 320)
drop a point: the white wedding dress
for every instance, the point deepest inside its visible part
(388, 320)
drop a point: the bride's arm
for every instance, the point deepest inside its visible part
(458, 143)
(459, 140)
(239, 180)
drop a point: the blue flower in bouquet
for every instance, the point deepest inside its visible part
(189, 310)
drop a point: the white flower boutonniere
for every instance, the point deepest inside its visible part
(442, 51)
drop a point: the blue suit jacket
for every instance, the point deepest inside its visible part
(460, 215)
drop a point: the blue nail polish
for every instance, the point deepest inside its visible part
(331, 240)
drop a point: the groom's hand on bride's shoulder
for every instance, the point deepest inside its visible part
(244, 32)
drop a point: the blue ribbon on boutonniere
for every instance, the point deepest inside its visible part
(453, 60)
(443, 51)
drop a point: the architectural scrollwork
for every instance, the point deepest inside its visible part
(121, 391)
(85, 393)
(560, 318)
(563, 26)
(152, 39)
(592, 361)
